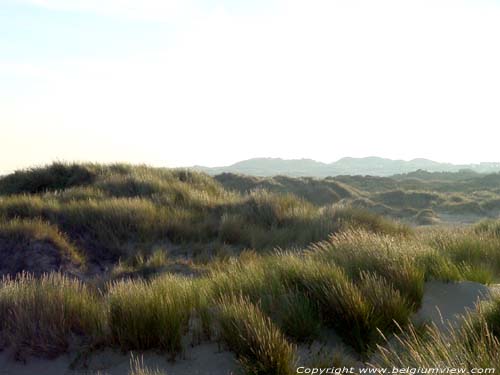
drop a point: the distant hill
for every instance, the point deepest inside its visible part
(373, 166)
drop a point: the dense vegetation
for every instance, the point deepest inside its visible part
(139, 258)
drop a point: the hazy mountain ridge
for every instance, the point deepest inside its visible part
(374, 166)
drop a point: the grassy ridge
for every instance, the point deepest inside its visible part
(111, 211)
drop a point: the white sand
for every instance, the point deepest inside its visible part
(445, 303)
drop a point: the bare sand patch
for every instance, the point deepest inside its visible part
(445, 303)
(204, 359)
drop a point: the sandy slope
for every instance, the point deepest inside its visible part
(446, 302)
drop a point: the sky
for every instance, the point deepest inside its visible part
(193, 82)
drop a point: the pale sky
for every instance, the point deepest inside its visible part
(184, 82)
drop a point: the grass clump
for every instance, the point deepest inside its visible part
(56, 176)
(477, 255)
(488, 227)
(490, 312)
(256, 340)
(356, 218)
(393, 258)
(251, 278)
(390, 308)
(340, 303)
(137, 367)
(298, 317)
(141, 265)
(470, 346)
(150, 315)
(40, 316)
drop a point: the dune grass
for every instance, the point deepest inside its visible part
(298, 316)
(152, 315)
(342, 267)
(260, 346)
(56, 176)
(471, 346)
(40, 316)
(137, 367)
(392, 258)
(475, 253)
(488, 227)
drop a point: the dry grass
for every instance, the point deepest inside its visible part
(137, 367)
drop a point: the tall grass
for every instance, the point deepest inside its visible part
(392, 258)
(475, 252)
(40, 316)
(251, 278)
(390, 308)
(488, 227)
(298, 317)
(256, 340)
(490, 311)
(150, 315)
(470, 346)
(340, 302)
